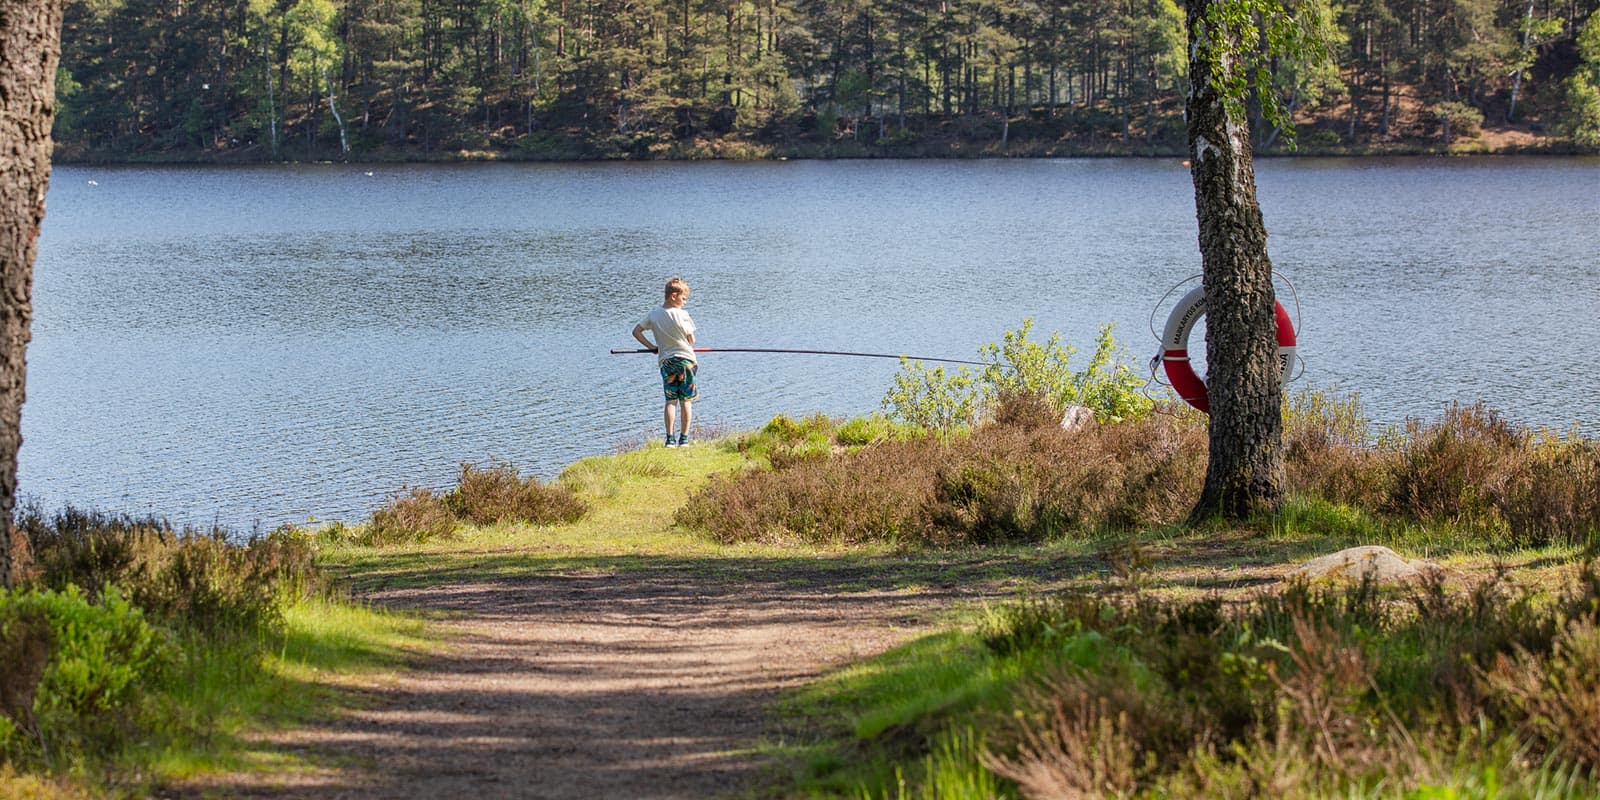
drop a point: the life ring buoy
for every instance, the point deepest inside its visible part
(1175, 347)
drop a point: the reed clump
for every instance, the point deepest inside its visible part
(1021, 477)
(482, 496)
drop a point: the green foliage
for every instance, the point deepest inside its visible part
(1580, 118)
(528, 79)
(871, 429)
(1457, 120)
(1263, 44)
(933, 400)
(104, 658)
(943, 403)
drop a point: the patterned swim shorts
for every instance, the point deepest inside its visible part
(677, 379)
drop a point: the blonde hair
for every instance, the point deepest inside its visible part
(677, 287)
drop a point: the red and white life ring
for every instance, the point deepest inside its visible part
(1175, 347)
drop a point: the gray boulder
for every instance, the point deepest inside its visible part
(1358, 563)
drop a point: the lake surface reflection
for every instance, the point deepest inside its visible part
(254, 345)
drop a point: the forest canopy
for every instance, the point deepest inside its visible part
(416, 79)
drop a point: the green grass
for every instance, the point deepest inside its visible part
(230, 693)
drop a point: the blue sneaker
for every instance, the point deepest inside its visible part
(672, 441)
(683, 440)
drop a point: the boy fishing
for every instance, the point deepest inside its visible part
(674, 349)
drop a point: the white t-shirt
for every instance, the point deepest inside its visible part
(672, 327)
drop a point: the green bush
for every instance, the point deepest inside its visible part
(943, 402)
(103, 658)
(871, 429)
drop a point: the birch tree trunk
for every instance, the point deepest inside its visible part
(30, 46)
(1245, 383)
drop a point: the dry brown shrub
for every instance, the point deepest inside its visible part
(1323, 711)
(1026, 410)
(1090, 735)
(873, 495)
(1003, 483)
(91, 549)
(1010, 484)
(1474, 468)
(1555, 700)
(413, 516)
(1555, 497)
(1450, 471)
(1085, 751)
(498, 494)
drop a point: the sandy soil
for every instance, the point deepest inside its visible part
(654, 683)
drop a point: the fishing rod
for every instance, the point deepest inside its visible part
(619, 351)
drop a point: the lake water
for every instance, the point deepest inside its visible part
(254, 345)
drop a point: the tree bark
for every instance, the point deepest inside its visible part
(30, 46)
(1244, 475)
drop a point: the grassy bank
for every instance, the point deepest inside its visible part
(1119, 653)
(1127, 655)
(137, 656)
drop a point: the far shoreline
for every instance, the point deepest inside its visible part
(749, 152)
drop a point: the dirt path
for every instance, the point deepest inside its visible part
(653, 683)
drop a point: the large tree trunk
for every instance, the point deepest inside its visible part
(1245, 382)
(30, 45)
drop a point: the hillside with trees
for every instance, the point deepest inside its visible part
(255, 80)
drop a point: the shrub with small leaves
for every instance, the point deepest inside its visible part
(1018, 366)
(415, 515)
(485, 496)
(104, 657)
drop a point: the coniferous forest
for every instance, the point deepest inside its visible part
(244, 80)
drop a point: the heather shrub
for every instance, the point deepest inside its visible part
(1555, 496)
(417, 515)
(1003, 483)
(1475, 470)
(93, 549)
(195, 580)
(1554, 700)
(1327, 452)
(499, 494)
(217, 587)
(1451, 471)
(872, 495)
(1022, 484)
(1309, 692)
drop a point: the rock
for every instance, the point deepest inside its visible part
(1379, 563)
(1077, 417)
